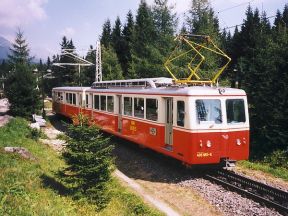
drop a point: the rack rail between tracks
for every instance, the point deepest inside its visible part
(262, 193)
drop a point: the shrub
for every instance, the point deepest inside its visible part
(89, 162)
(278, 158)
(35, 134)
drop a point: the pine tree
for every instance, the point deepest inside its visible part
(165, 23)
(89, 162)
(197, 7)
(49, 81)
(147, 60)
(201, 20)
(48, 62)
(259, 54)
(251, 39)
(4, 68)
(19, 51)
(88, 75)
(20, 86)
(20, 89)
(106, 34)
(285, 15)
(128, 38)
(111, 67)
(235, 69)
(145, 32)
(116, 35)
(118, 43)
(274, 121)
(68, 75)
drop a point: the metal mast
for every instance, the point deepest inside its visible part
(79, 61)
(98, 64)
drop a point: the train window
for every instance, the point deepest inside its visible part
(139, 107)
(127, 106)
(180, 113)
(151, 109)
(110, 104)
(80, 99)
(96, 102)
(73, 99)
(103, 102)
(67, 98)
(59, 97)
(209, 110)
(235, 111)
(70, 98)
(87, 100)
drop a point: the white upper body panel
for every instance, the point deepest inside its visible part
(173, 91)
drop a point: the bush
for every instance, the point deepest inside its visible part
(89, 162)
(35, 134)
(278, 158)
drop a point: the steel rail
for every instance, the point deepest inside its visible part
(262, 193)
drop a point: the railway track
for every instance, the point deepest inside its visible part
(262, 193)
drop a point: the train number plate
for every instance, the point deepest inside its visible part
(204, 154)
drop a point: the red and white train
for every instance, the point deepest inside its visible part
(196, 124)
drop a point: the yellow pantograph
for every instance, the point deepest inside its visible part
(197, 59)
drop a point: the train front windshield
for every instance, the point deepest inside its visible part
(235, 111)
(210, 110)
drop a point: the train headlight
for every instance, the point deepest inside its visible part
(208, 144)
(238, 142)
(201, 143)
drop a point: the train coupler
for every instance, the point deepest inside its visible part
(229, 164)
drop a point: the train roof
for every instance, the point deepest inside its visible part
(181, 91)
(71, 88)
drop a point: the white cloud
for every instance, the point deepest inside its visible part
(68, 32)
(14, 13)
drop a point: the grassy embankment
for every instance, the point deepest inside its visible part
(29, 187)
(279, 172)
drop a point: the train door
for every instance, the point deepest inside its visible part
(119, 113)
(169, 122)
(57, 102)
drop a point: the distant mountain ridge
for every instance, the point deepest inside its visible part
(4, 48)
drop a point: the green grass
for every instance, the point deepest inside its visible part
(279, 172)
(30, 188)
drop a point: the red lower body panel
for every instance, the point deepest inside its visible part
(191, 147)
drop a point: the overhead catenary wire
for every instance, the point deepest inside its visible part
(239, 5)
(232, 7)
(243, 24)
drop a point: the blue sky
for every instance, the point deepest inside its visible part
(44, 22)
